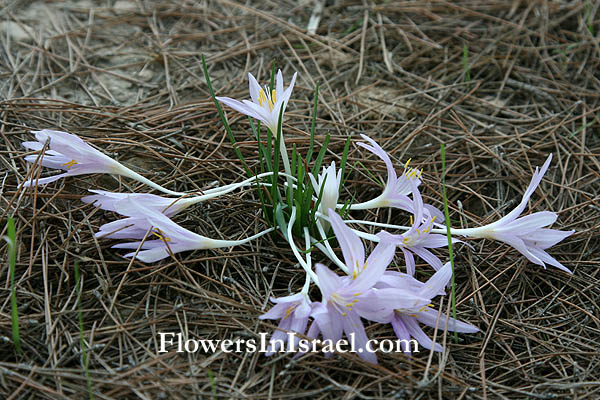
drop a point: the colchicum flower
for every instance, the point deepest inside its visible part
(293, 313)
(348, 298)
(419, 237)
(526, 234)
(397, 189)
(266, 105)
(136, 225)
(172, 238)
(168, 206)
(329, 183)
(405, 320)
(71, 154)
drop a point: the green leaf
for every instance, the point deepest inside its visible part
(447, 217)
(223, 119)
(81, 336)
(312, 126)
(12, 262)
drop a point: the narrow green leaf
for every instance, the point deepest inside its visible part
(223, 119)
(213, 387)
(78, 284)
(312, 126)
(466, 63)
(447, 216)
(343, 163)
(319, 159)
(12, 262)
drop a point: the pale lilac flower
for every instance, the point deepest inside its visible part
(168, 206)
(266, 105)
(405, 320)
(348, 298)
(419, 237)
(396, 191)
(136, 225)
(293, 313)
(329, 182)
(70, 153)
(171, 238)
(125, 228)
(526, 234)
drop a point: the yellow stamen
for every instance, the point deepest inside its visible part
(408, 162)
(261, 97)
(273, 96)
(70, 164)
(161, 236)
(412, 315)
(411, 220)
(357, 294)
(288, 311)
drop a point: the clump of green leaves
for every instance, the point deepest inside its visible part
(280, 196)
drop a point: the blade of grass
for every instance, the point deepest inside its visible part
(312, 126)
(81, 337)
(213, 387)
(447, 217)
(465, 61)
(12, 262)
(319, 159)
(264, 156)
(366, 170)
(223, 119)
(343, 162)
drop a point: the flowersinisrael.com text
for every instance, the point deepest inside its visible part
(169, 341)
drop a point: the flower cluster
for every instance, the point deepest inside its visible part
(364, 288)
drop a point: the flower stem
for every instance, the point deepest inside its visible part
(294, 248)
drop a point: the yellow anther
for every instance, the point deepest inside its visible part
(344, 314)
(354, 274)
(420, 172)
(273, 96)
(356, 294)
(288, 312)
(433, 219)
(411, 220)
(161, 236)
(70, 164)
(408, 162)
(412, 315)
(261, 97)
